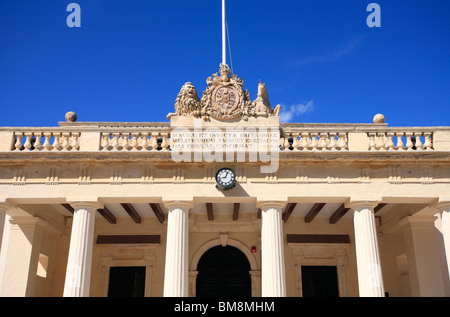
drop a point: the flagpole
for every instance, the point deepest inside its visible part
(224, 47)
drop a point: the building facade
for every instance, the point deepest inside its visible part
(223, 200)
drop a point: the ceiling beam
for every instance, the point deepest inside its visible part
(158, 212)
(377, 208)
(338, 214)
(68, 207)
(288, 211)
(107, 214)
(313, 212)
(209, 210)
(236, 211)
(132, 212)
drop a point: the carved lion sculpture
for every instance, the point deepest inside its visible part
(261, 103)
(187, 102)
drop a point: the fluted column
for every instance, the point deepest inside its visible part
(78, 272)
(3, 209)
(176, 276)
(370, 279)
(444, 208)
(273, 281)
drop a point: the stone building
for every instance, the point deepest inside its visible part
(224, 199)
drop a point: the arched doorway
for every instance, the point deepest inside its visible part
(223, 272)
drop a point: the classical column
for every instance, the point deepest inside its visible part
(78, 272)
(370, 279)
(3, 209)
(444, 208)
(273, 280)
(176, 276)
(423, 256)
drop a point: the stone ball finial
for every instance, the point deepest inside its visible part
(71, 116)
(378, 118)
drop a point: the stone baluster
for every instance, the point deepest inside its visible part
(295, 142)
(56, 145)
(164, 142)
(47, 137)
(380, 142)
(154, 141)
(322, 141)
(27, 144)
(313, 143)
(332, 144)
(372, 143)
(342, 142)
(65, 145)
(115, 141)
(105, 141)
(304, 144)
(427, 146)
(18, 144)
(400, 145)
(286, 145)
(409, 143)
(75, 143)
(144, 141)
(37, 142)
(125, 143)
(134, 141)
(390, 143)
(419, 145)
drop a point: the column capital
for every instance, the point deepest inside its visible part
(442, 203)
(89, 203)
(179, 203)
(363, 202)
(271, 203)
(417, 221)
(5, 205)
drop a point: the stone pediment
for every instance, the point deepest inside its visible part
(224, 99)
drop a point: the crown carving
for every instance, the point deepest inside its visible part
(223, 99)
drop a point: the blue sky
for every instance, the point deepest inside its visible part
(319, 59)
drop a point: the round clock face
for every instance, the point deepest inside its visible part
(225, 178)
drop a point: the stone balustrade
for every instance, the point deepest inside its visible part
(45, 140)
(156, 137)
(134, 141)
(401, 140)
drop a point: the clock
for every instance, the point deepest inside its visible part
(225, 178)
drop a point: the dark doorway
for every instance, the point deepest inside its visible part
(126, 282)
(320, 281)
(223, 272)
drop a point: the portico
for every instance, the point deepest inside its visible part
(85, 202)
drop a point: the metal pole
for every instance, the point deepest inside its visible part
(224, 42)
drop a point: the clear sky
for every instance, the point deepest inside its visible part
(319, 59)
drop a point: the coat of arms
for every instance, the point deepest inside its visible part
(223, 99)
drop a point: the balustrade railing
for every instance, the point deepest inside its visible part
(405, 140)
(314, 141)
(46, 141)
(156, 137)
(134, 141)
